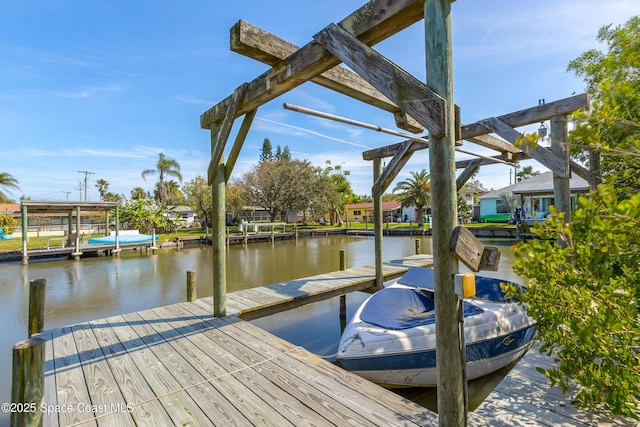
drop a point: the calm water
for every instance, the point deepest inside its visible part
(94, 288)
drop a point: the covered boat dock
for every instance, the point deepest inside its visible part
(43, 208)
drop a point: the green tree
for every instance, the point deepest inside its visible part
(612, 125)
(6, 182)
(278, 186)
(234, 199)
(526, 173)
(144, 215)
(172, 194)
(266, 152)
(584, 294)
(198, 195)
(103, 187)
(138, 193)
(164, 167)
(415, 191)
(336, 191)
(585, 291)
(112, 197)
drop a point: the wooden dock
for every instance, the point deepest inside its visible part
(179, 365)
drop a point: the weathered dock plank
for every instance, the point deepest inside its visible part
(149, 357)
(70, 380)
(130, 379)
(327, 379)
(179, 365)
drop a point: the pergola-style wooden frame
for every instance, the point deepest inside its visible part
(416, 106)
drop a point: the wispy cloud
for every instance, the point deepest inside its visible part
(89, 91)
(286, 128)
(190, 99)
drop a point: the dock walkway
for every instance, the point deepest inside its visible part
(179, 365)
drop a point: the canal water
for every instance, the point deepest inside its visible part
(94, 288)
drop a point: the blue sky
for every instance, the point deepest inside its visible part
(105, 86)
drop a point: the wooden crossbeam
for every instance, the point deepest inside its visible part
(393, 168)
(531, 115)
(258, 44)
(372, 23)
(541, 154)
(410, 94)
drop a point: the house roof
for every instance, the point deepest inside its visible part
(180, 208)
(9, 208)
(539, 184)
(386, 206)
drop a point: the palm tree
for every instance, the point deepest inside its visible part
(526, 173)
(138, 193)
(164, 167)
(415, 191)
(103, 187)
(7, 181)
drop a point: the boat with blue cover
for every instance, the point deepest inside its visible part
(391, 339)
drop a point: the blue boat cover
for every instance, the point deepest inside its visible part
(402, 308)
(487, 288)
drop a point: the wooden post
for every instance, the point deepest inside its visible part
(36, 306)
(192, 290)
(76, 251)
(449, 354)
(116, 251)
(27, 387)
(343, 298)
(25, 235)
(377, 225)
(217, 241)
(559, 147)
(418, 249)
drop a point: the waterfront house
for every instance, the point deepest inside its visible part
(185, 214)
(536, 195)
(363, 212)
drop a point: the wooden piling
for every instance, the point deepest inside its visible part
(36, 306)
(192, 289)
(418, 249)
(449, 360)
(343, 298)
(27, 387)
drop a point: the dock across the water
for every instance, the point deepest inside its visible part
(179, 365)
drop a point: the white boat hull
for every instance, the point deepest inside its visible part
(397, 348)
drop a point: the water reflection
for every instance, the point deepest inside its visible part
(94, 288)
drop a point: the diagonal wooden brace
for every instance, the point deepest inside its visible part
(407, 92)
(396, 164)
(541, 154)
(219, 141)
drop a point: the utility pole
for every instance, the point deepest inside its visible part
(86, 182)
(67, 194)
